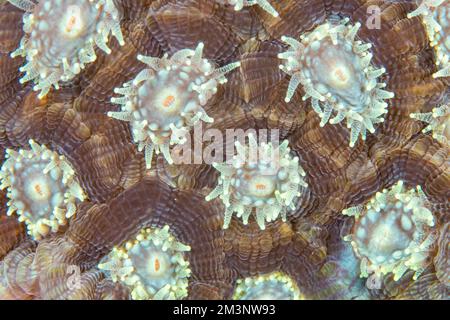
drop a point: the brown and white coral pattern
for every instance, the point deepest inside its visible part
(124, 196)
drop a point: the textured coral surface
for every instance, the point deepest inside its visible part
(124, 195)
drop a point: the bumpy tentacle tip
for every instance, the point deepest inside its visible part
(238, 5)
(438, 122)
(435, 16)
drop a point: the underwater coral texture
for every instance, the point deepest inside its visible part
(98, 99)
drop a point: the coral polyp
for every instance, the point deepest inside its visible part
(436, 17)
(264, 4)
(393, 232)
(438, 122)
(41, 187)
(336, 72)
(264, 179)
(274, 286)
(60, 38)
(153, 265)
(165, 100)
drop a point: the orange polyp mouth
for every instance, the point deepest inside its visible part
(157, 265)
(340, 75)
(168, 101)
(260, 186)
(38, 189)
(71, 24)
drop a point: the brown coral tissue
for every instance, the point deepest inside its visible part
(224, 149)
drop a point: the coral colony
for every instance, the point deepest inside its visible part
(349, 199)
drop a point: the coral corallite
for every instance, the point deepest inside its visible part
(60, 36)
(166, 99)
(239, 4)
(336, 72)
(42, 188)
(275, 286)
(438, 122)
(436, 17)
(153, 265)
(393, 232)
(262, 179)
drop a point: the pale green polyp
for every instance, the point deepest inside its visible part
(267, 190)
(336, 73)
(153, 265)
(41, 187)
(394, 232)
(54, 52)
(164, 101)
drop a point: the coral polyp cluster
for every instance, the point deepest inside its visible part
(153, 265)
(42, 188)
(239, 4)
(264, 179)
(60, 38)
(165, 100)
(336, 72)
(438, 122)
(274, 286)
(393, 232)
(436, 17)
